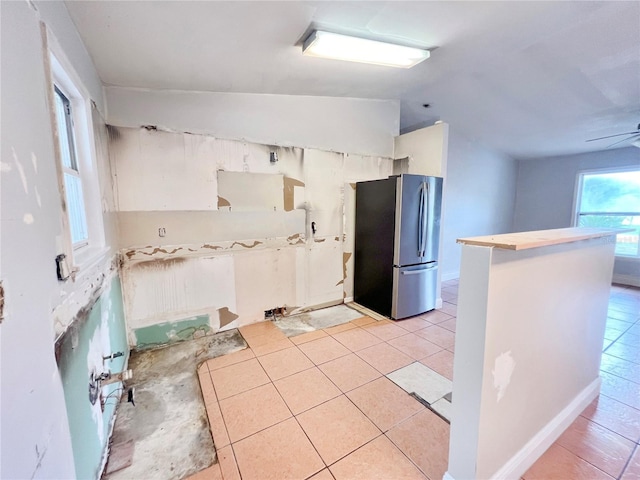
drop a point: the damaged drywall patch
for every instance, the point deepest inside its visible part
(27, 218)
(246, 245)
(80, 352)
(503, 368)
(223, 202)
(289, 185)
(160, 263)
(295, 239)
(171, 332)
(70, 315)
(226, 316)
(159, 250)
(345, 258)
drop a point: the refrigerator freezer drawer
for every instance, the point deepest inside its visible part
(414, 290)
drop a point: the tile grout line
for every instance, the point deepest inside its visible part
(403, 452)
(607, 428)
(298, 423)
(296, 416)
(578, 456)
(626, 465)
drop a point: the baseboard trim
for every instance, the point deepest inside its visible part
(438, 303)
(348, 299)
(527, 456)
(626, 280)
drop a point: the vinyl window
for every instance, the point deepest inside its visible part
(72, 178)
(611, 198)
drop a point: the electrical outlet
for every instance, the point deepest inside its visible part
(162, 232)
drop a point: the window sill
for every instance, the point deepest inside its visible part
(625, 258)
(87, 257)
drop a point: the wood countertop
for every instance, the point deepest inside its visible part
(539, 238)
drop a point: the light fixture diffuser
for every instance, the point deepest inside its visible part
(354, 49)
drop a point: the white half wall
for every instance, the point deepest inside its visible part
(479, 196)
(528, 346)
(350, 125)
(546, 189)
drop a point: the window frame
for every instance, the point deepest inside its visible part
(577, 199)
(64, 79)
(73, 169)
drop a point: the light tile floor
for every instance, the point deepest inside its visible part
(318, 405)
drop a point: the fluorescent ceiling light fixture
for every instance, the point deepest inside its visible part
(354, 49)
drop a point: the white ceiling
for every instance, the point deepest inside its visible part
(530, 79)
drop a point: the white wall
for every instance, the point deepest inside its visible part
(35, 431)
(352, 125)
(479, 196)
(425, 150)
(546, 189)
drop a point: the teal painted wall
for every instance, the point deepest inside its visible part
(171, 332)
(100, 331)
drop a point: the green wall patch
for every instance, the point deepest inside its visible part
(171, 332)
(96, 332)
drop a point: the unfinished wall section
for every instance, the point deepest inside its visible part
(214, 232)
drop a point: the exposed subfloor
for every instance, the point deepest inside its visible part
(316, 320)
(168, 424)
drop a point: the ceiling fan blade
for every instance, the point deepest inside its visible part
(619, 141)
(611, 136)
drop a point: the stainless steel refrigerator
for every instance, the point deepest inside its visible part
(396, 244)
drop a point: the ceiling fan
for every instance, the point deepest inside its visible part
(633, 136)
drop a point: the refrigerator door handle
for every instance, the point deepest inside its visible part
(421, 222)
(426, 220)
(417, 272)
(423, 213)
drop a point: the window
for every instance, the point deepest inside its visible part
(73, 118)
(611, 198)
(72, 178)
